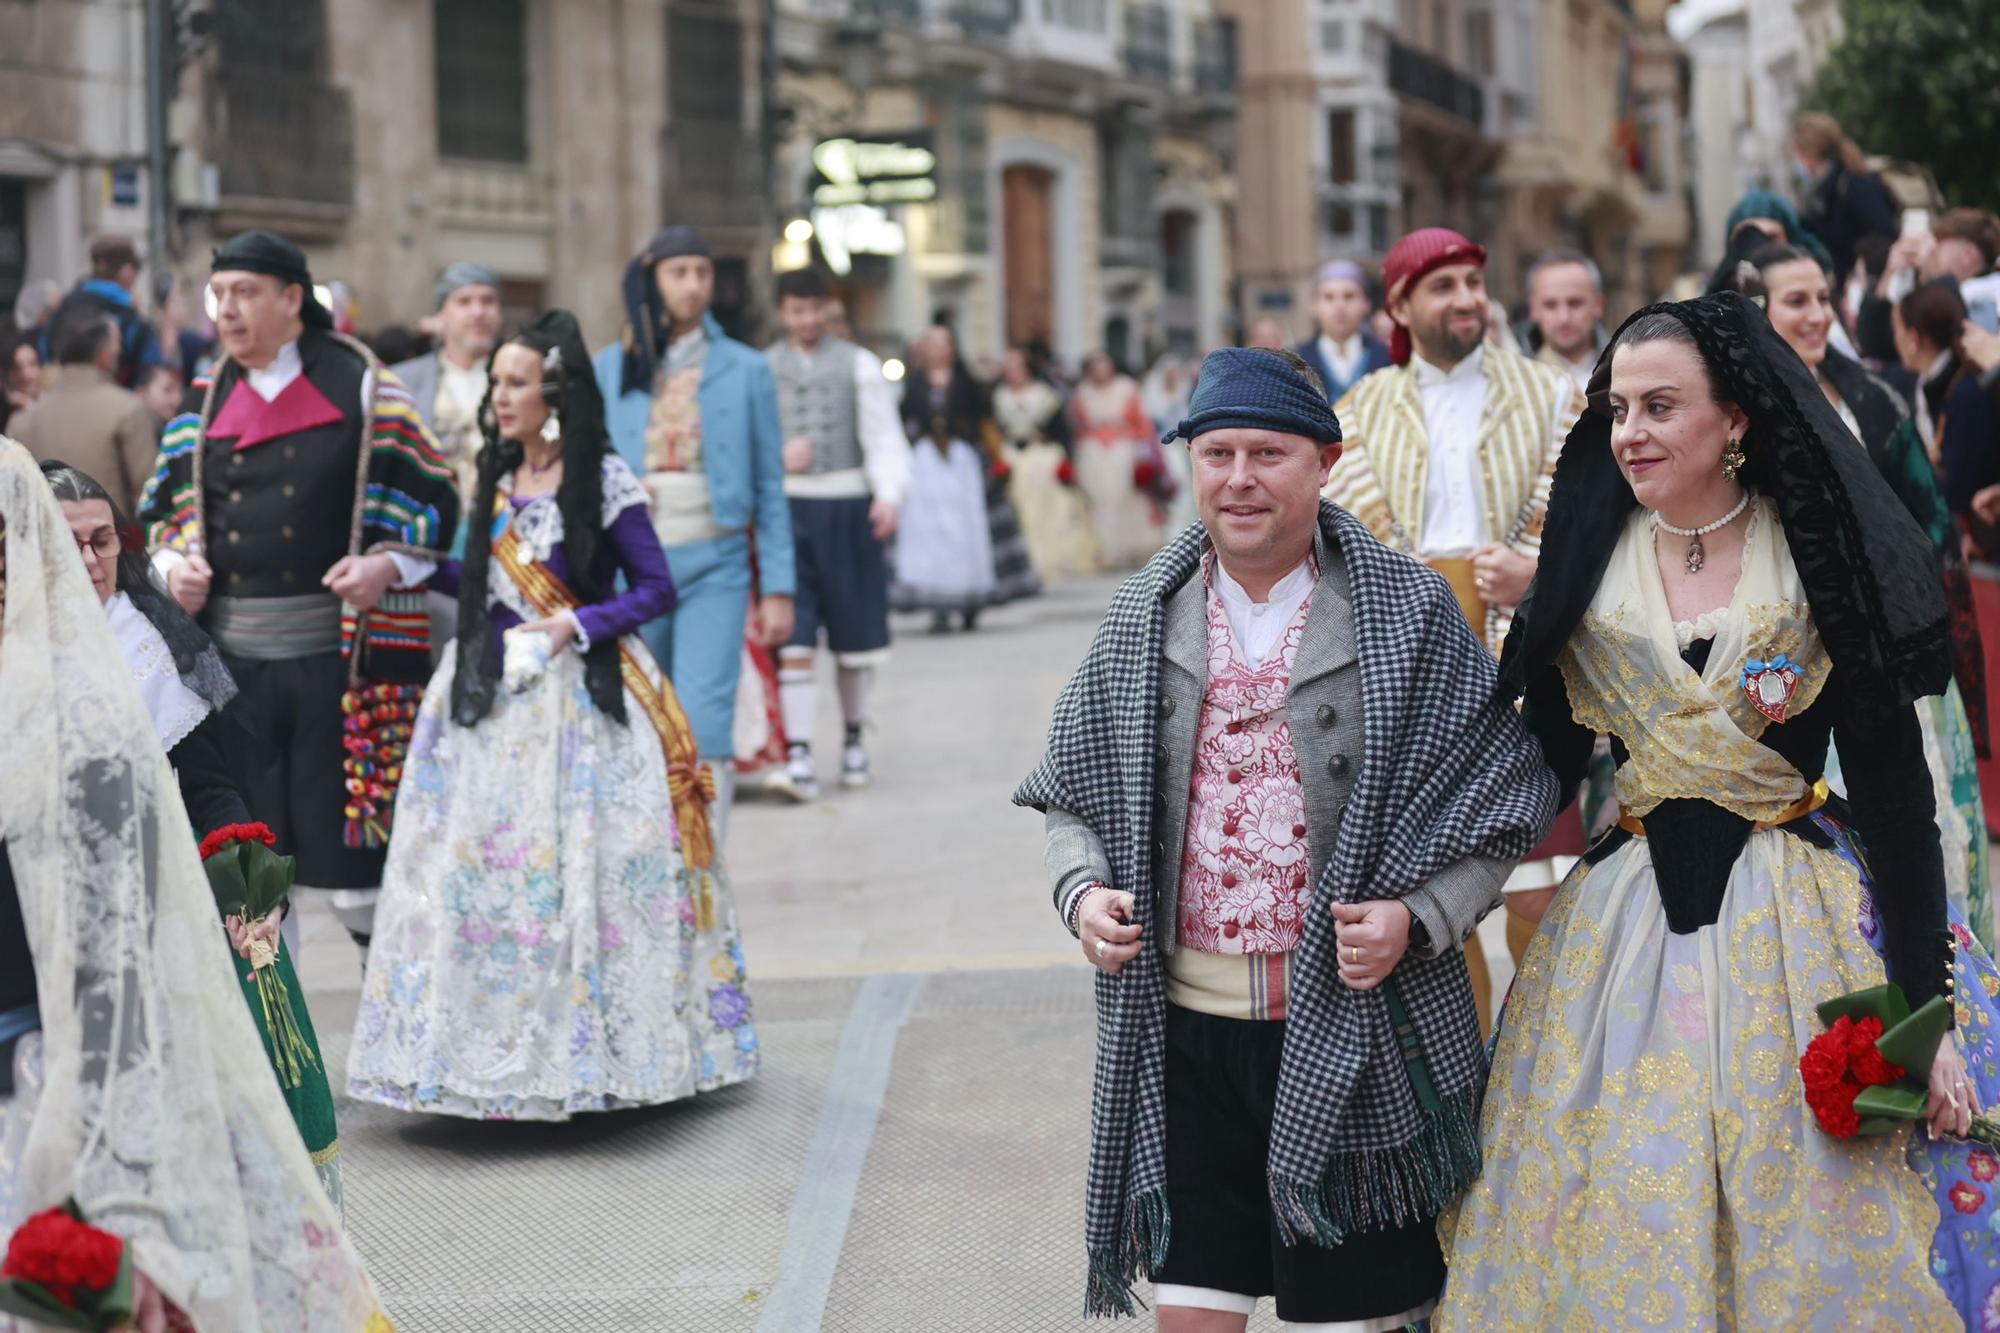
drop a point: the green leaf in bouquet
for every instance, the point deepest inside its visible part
(120, 1301)
(29, 1301)
(226, 879)
(267, 878)
(1885, 1002)
(1897, 1102)
(1913, 1043)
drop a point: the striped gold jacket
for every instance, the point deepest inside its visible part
(1385, 466)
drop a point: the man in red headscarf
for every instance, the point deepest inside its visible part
(1450, 452)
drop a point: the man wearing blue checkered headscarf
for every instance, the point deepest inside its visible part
(1279, 796)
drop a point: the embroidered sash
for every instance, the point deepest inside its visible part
(689, 782)
(1695, 735)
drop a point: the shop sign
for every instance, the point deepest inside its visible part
(878, 170)
(856, 229)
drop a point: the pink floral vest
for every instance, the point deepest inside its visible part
(1245, 872)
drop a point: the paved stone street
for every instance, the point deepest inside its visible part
(912, 1155)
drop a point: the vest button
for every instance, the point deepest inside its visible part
(1167, 706)
(236, 497)
(1338, 766)
(1326, 715)
(234, 535)
(1160, 752)
(287, 531)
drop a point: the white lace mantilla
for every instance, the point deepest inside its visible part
(158, 1113)
(175, 709)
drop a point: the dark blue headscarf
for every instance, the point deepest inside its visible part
(1254, 388)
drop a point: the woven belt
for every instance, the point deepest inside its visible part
(1799, 809)
(275, 629)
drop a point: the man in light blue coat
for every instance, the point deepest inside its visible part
(695, 414)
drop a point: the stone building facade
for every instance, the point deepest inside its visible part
(1079, 194)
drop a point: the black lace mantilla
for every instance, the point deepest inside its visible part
(1869, 572)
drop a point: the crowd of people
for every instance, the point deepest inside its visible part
(1692, 594)
(1664, 640)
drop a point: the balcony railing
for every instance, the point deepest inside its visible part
(1420, 75)
(1215, 55)
(1149, 42)
(282, 139)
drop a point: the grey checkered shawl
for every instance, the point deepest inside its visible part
(1376, 1120)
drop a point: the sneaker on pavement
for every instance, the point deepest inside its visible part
(854, 764)
(802, 781)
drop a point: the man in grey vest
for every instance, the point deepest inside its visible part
(846, 468)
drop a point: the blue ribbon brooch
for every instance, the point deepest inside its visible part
(1771, 685)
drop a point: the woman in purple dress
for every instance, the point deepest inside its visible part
(554, 934)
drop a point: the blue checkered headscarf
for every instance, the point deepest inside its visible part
(1253, 388)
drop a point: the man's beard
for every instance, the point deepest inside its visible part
(1447, 345)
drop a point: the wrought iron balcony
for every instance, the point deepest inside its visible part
(1149, 42)
(1418, 74)
(280, 138)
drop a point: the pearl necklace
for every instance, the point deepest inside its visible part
(1697, 555)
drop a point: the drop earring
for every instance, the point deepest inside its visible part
(552, 428)
(1732, 460)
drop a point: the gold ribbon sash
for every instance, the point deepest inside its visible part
(689, 781)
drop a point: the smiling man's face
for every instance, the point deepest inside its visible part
(1258, 494)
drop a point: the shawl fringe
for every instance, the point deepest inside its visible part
(1143, 1241)
(1378, 1188)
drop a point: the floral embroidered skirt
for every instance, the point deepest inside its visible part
(1649, 1158)
(540, 948)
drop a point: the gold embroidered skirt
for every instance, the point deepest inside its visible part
(1649, 1158)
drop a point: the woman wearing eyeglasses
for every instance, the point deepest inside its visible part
(185, 689)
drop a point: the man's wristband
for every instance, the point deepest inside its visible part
(1073, 904)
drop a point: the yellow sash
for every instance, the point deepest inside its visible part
(689, 781)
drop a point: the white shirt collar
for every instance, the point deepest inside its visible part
(285, 367)
(1294, 585)
(1938, 366)
(1471, 368)
(1344, 349)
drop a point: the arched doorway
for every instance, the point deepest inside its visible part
(1028, 253)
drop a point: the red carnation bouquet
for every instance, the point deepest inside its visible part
(251, 881)
(61, 1272)
(1869, 1072)
(1000, 470)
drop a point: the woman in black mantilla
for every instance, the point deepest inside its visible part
(1647, 1148)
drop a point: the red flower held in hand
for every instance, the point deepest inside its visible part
(56, 1251)
(230, 834)
(1864, 1062)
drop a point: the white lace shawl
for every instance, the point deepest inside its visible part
(175, 709)
(159, 1114)
(538, 526)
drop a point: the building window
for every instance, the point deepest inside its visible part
(482, 79)
(1340, 154)
(1177, 232)
(1333, 36)
(705, 100)
(13, 244)
(1479, 43)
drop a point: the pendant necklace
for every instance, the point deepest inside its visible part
(1697, 555)
(539, 468)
